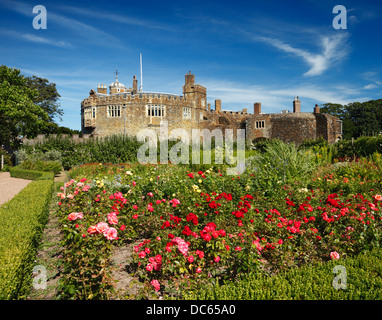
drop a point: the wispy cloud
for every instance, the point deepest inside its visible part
(34, 38)
(124, 19)
(80, 28)
(333, 50)
(277, 97)
(372, 78)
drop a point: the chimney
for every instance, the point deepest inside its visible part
(296, 105)
(135, 85)
(102, 88)
(209, 106)
(190, 78)
(245, 110)
(316, 109)
(257, 108)
(218, 105)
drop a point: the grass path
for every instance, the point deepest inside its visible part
(49, 254)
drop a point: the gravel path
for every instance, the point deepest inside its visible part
(9, 187)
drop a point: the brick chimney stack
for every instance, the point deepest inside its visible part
(296, 105)
(218, 105)
(257, 108)
(190, 78)
(135, 85)
(102, 88)
(316, 109)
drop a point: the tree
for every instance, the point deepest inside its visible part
(358, 118)
(47, 97)
(19, 114)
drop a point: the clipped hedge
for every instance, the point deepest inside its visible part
(16, 172)
(363, 280)
(22, 221)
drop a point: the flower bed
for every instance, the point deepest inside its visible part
(192, 228)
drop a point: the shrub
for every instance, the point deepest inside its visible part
(16, 172)
(22, 219)
(39, 165)
(363, 282)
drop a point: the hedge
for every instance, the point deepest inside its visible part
(22, 221)
(363, 275)
(30, 174)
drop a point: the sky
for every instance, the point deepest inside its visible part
(241, 51)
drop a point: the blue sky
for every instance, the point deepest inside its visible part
(242, 51)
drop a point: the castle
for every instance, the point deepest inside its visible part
(125, 110)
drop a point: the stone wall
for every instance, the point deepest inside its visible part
(191, 111)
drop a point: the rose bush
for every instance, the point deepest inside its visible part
(192, 227)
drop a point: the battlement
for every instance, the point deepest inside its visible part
(127, 110)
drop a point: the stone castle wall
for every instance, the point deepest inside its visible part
(191, 111)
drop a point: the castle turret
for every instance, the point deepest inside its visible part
(195, 93)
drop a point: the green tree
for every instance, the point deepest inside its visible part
(340, 111)
(47, 97)
(358, 118)
(19, 114)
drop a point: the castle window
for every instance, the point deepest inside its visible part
(94, 112)
(260, 124)
(113, 111)
(186, 113)
(155, 110)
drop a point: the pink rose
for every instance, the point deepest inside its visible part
(92, 230)
(198, 270)
(217, 259)
(142, 254)
(101, 227)
(334, 255)
(110, 233)
(112, 218)
(190, 259)
(75, 215)
(149, 267)
(155, 284)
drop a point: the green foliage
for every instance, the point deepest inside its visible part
(19, 115)
(47, 97)
(23, 219)
(306, 283)
(279, 164)
(358, 119)
(17, 172)
(39, 165)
